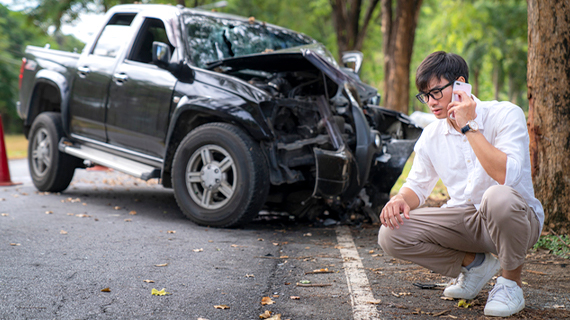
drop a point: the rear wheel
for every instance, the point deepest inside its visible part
(51, 170)
(220, 176)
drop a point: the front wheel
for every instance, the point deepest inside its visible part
(51, 170)
(220, 176)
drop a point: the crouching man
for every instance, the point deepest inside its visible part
(480, 151)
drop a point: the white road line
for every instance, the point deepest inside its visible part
(360, 292)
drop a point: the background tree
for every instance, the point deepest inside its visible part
(549, 105)
(350, 19)
(398, 30)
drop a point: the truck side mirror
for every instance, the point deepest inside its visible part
(161, 54)
(352, 60)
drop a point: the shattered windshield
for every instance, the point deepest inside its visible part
(212, 39)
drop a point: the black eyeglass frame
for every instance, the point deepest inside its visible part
(432, 93)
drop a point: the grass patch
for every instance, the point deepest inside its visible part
(557, 245)
(16, 146)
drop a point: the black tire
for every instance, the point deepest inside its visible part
(51, 170)
(220, 176)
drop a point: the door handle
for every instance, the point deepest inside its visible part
(120, 77)
(83, 71)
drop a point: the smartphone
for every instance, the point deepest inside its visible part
(458, 85)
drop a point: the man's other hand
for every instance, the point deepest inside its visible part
(390, 216)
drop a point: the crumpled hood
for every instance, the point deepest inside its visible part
(300, 58)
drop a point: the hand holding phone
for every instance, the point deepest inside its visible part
(458, 85)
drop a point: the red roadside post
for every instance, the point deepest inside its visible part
(5, 180)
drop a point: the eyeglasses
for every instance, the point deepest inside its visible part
(434, 93)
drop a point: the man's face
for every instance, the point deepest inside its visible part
(439, 106)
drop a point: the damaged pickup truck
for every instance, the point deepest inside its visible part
(235, 115)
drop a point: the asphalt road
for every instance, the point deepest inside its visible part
(108, 230)
(59, 252)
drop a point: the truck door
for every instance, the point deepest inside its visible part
(94, 70)
(140, 95)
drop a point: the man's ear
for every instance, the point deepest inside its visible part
(461, 78)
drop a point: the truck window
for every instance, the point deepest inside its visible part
(152, 30)
(115, 34)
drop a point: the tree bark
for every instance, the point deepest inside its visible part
(548, 81)
(398, 36)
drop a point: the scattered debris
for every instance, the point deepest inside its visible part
(161, 265)
(198, 250)
(148, 281)
(221, 306)
(106, 290)
(314, 285)
(266, 300)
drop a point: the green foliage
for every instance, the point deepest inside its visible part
(555, 245)
(15, 34)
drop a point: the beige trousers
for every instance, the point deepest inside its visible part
(439, 238)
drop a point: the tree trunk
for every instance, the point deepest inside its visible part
(548, 81)
(398, 36)
(350, 29)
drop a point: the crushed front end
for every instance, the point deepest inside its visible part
(333, 151)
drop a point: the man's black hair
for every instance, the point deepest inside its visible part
(440, 65)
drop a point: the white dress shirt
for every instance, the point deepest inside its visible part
(442, 152)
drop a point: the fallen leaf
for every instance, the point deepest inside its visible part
(133, 212)
(275, 296)
(70, 214)
(14, 244)
(287, 283)
(49, 212)
(377, 255)
(161, 265)
(234, 246)
(221, 306)
(117, 208)
(308, 234)
(63, 232)
(249, 276)
(148, 281)
(447, 298)
(371, 251)
(266, 301)
(198, 250)
(295, 298)
(259, 239)
(275, 317)
(463, 303)
(284, 257)
(558, 306)
(170, 231)
(106, 290)
(275, 243)
(5, 214)
(82, 215)
(377, 301)
(159, 293)
(202, 319)
(128, 220)
(265, 315)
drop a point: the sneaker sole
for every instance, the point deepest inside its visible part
(503, 313)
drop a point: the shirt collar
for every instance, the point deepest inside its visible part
(481, 113)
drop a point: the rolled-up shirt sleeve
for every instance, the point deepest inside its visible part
(422, 177)
(512, 139)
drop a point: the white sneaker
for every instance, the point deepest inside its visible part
(505, 299)
(470, 282)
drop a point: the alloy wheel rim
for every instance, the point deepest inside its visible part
(41, 152)
(211, 177)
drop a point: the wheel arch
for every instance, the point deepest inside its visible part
(47, 96)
